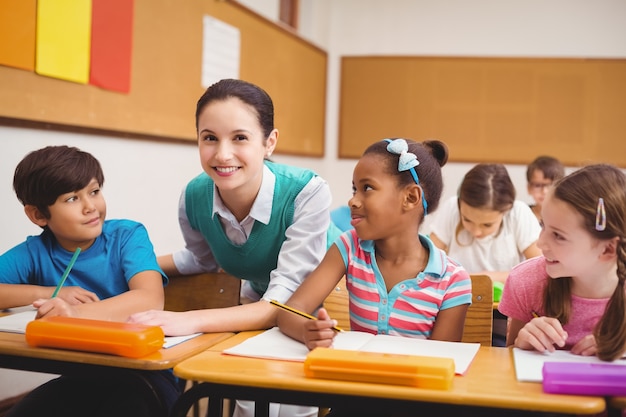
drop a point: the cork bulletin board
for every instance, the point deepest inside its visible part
(166, 80)
(506, 110)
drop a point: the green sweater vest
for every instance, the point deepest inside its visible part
(258, 256)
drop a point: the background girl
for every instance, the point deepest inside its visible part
(485, 228)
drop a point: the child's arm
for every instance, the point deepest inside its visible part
(253, 316)
(541, 334)
(145, 292)
(532, 251)
(17, 295)
(308, 297)
(449, 324)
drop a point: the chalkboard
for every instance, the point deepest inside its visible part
(166, 80)
(506, 110)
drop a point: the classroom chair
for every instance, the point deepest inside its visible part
(479, 318)
(201, 291)
(337, 305)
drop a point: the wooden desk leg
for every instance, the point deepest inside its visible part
(196, 406)
(614, 412)
(216, 407)
(192, 396)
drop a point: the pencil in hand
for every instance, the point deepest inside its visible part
(300, 313)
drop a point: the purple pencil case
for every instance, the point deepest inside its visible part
(581, 378)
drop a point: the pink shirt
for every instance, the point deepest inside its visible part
(523, 294)
(410, 309)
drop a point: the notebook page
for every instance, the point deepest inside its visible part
(273, 344)
(462, 353)
(16, 322)
(529, 363)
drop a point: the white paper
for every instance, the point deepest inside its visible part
(529, 363)
(175, 340)
(273, 344)
(221, 45)
(16, 322)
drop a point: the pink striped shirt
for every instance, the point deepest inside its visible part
(411, 307)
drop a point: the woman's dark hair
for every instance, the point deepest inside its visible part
(45, 174)
(248, 93)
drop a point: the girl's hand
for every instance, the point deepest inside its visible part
(585, 346)
(319, 333)
(541, 334)
(77, 295)
(172, 323)
(53, 307)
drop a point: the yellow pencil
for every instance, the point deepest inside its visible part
(300, 313)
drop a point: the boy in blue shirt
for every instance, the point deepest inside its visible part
(115, 275)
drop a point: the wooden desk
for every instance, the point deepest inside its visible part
(489, 387)
(15, 353)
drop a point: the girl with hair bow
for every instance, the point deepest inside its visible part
(399, 283)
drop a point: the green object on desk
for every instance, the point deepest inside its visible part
(497, 291)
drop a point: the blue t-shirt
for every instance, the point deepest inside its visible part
(119, 253)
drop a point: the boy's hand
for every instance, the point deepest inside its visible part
(541, 334)
(53, 307)
(77, 295)
(319, 333)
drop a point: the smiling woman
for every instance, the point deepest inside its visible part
(265, 223)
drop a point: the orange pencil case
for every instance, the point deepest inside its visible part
(383, 368)
(115, 338)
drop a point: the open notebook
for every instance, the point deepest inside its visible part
(273, 344)
(16, 323)
(529, 363)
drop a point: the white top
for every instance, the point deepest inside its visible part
(302, 250)
(498, 252)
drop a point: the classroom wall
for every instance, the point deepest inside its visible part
(144, 178)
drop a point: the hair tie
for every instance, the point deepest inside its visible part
(407, 162)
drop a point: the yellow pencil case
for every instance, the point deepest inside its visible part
(383, 368)
(115, 338)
